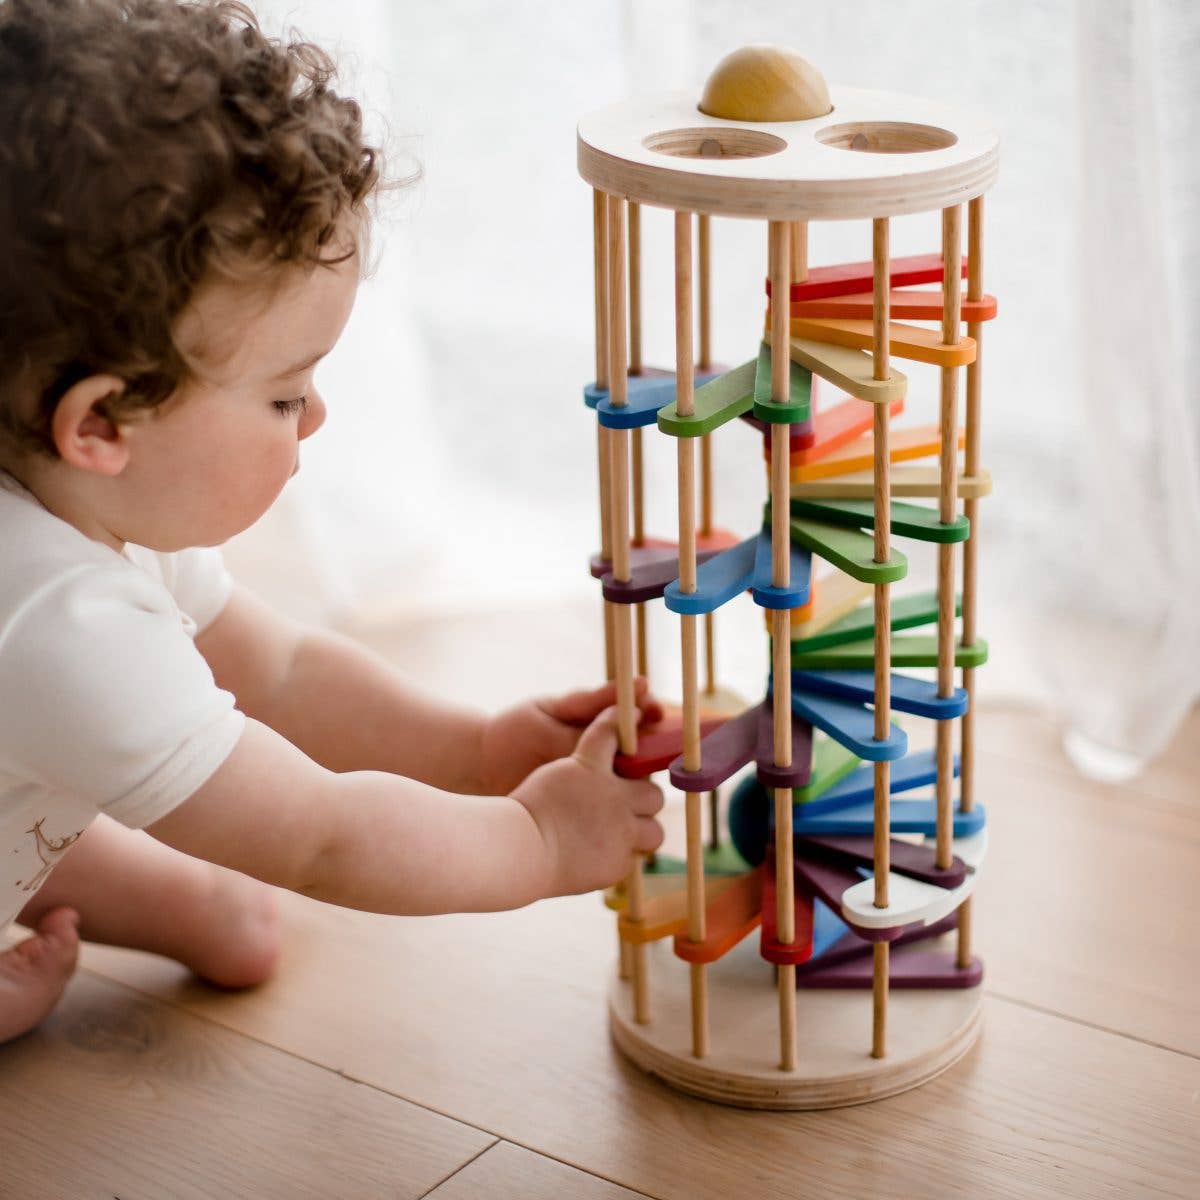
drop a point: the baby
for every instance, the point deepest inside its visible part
(182, 232)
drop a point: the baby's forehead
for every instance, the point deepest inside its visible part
(223, 325)
(234, 331)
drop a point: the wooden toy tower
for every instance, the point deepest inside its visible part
(860, 891)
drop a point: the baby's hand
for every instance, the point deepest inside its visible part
(537, 732)
(590, 819)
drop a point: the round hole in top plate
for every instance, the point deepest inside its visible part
(714, 141)
(885, 137)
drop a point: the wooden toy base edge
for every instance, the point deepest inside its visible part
(745, 1075)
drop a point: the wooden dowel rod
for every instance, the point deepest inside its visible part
(696, 924)
(619, 445)
(600, 270)
(618, 367)
(635, 288)
(881, 369)
(970, 588)
(799, 252)
(972, 464)
(966, 769)
(781, 566)
(691, 692)
(641, 648)
(962, 951)
(618, 384)
(704, 267)
(626, 704)
(699, 987)
(603, 452)
(975, 328)
(787, 1017)
(641, 975)
(639, 490)
(635, 367)
(686, 466)
(951, 315)
(704, 297)
(947, 508)
(610, 650)
(778, 254)
(686, 463)
(879, 1001)
(624, 957)
(944, 733)
(639, 539)
(706, 484)
(604, 465)
(710, 655)
(714, 819)
(881, 350)
(881, 846)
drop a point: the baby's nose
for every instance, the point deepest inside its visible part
(313, 416)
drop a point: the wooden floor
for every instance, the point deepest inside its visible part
(468, 1057)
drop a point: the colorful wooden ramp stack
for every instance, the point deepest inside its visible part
(852, 855)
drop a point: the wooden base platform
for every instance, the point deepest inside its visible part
(928, 1031)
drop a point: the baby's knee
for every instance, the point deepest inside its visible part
(245, 932)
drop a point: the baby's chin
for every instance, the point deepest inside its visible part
(199, 535)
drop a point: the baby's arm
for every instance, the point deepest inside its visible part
(379, 842)
(350, 711)
(336, 701)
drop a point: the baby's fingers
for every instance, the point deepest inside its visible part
(647, 799)
(578, 708)
(599, 741)
(648, 835)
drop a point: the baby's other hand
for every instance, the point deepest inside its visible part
(521, 739)
(591, 820)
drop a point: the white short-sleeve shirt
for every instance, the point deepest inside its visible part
(106, 705)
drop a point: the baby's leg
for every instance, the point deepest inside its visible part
(130, 890)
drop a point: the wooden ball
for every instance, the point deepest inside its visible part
(765, 83)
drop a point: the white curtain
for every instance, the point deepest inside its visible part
(457, 465)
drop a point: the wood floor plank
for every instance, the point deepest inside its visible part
(120, 1096)
(499, 1020)
(508, 1172)
(1168, 781)
(1090, 899)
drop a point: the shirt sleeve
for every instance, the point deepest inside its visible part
(106, 697)
(200, 583)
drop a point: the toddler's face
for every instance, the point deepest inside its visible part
(219, 451)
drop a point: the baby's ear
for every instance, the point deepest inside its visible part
(83, 432)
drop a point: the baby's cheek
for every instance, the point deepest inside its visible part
(250, 483)
(271, 471)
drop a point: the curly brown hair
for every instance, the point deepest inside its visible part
(145, 146)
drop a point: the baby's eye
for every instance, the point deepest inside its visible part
(289, 408)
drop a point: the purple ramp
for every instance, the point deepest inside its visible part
(648, 578)
(653, 551)
(908, 967)
(799, 773)
(918, 862)
(850, 945)
(724, 752)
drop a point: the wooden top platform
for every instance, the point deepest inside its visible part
(876, 154)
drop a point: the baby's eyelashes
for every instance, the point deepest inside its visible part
(289, 408)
